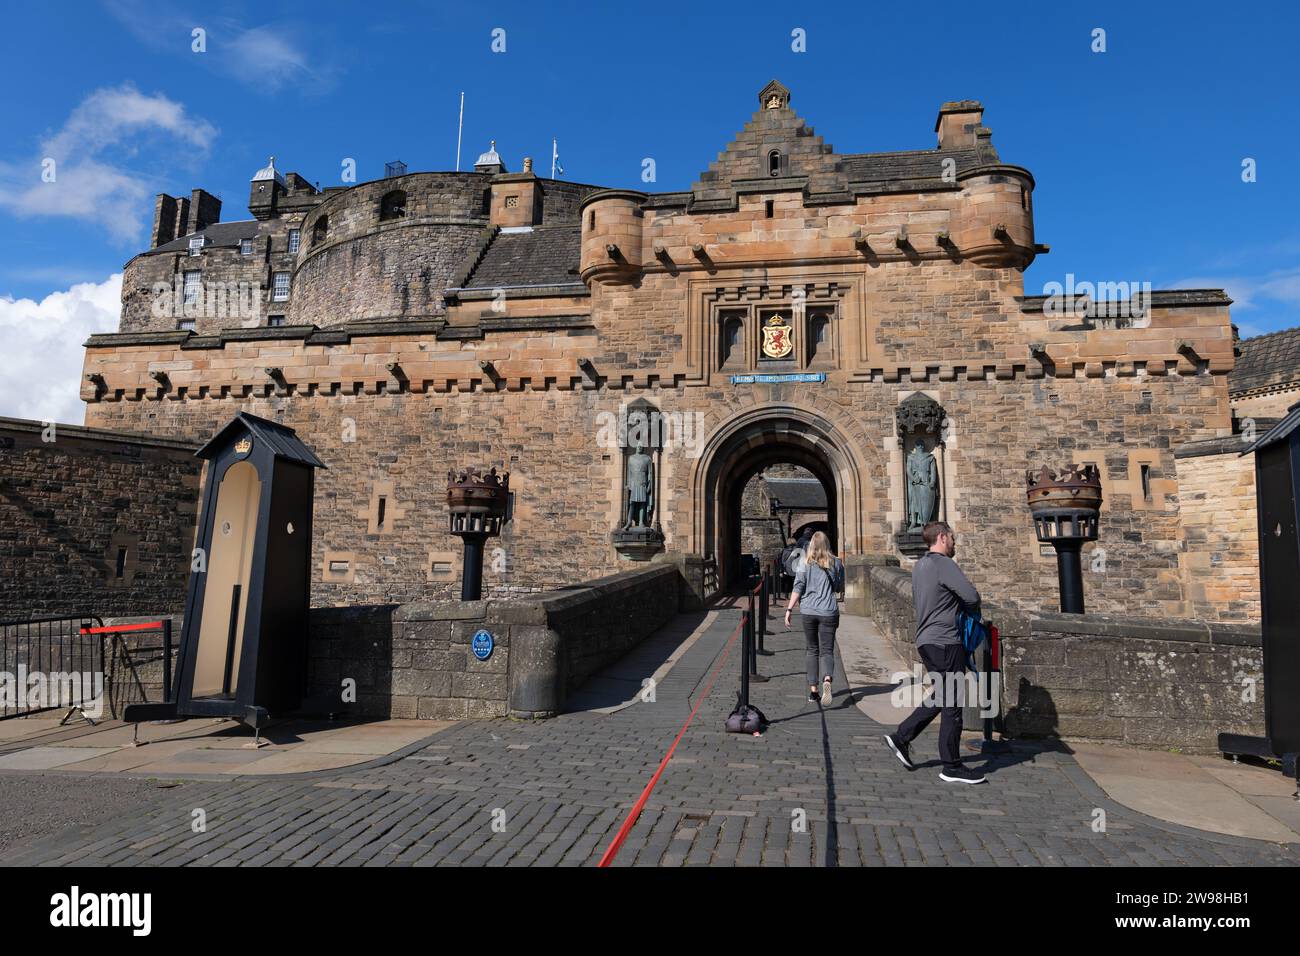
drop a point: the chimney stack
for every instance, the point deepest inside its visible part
(957, 124)
(205, 209)
(164, 220)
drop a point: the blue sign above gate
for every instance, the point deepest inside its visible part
(777, 379)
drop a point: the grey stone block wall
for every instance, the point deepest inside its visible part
(415, 660)
(1131, 680)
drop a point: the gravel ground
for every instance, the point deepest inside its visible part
(37, 805)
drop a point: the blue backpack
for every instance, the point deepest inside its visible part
(973, 631)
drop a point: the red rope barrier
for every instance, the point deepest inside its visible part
(637, 807)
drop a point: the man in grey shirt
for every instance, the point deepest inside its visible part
(939, 590)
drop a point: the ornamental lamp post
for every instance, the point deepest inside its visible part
(1065, 510)
(476, 508)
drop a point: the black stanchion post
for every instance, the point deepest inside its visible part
(744, 658)
(754, 675)
(762, 612)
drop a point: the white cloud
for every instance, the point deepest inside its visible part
(109, 115)
(268, 57)
(85, 187)
(262, 56)
(40, 377)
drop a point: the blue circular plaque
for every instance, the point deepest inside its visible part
(482, 644)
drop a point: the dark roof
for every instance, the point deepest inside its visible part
(1279, 431)
(281, 439)
(798, 493)
(217, 234)
(545, 255)
(1265, 360)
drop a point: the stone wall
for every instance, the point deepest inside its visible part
(94, 521)
(1270, 403)
(415, 661)
(1216, 494)
(1111, 678)
(1175, 684)
(541, 419)
(761, 533)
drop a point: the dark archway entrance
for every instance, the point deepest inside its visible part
(756, 439)
(731, 489)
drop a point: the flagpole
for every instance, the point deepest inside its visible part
(460, 127)
(555, 154)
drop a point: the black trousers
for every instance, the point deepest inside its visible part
(948, 661)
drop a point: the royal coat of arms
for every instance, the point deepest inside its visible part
(777, 341)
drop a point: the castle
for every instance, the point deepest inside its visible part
(797, 306)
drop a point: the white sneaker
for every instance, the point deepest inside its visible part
(826, 692)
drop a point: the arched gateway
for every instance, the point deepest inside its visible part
(755, 438)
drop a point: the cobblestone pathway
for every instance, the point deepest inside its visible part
(555, 792)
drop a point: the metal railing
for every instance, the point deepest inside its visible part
(40, 657)
(710, 576)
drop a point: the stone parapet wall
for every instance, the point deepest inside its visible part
(1111, 678)
(415, 660)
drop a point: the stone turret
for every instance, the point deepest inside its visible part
(265, 191)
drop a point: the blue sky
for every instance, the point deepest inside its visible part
(1137, 151)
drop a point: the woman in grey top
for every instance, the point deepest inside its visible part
(819, 576)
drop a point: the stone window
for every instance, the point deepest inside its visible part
(774, 163)
(320, 232)
(819, 333)
(280, 287)
(196, 245)
(731, 348)
(122, 559)
(392, 206)
(245, 247)
(295, 238)
(186, 325)
(193, 290)
(275, 321)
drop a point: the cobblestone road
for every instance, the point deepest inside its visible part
(555, 792)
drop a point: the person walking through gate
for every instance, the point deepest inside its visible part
(815, 584)
(939, 589)
(785, 565)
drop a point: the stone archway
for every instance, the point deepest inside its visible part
(749, 441)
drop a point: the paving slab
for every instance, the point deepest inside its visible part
(47, 758)
(1173, 787)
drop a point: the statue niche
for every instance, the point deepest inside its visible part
(637, 535)
(920, 427)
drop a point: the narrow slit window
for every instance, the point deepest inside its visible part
(732, 332)
(1146, 482)
(767, 208)
(383, 512)
(121, 562)
(774, 163)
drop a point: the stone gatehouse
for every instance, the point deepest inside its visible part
(797, 306)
